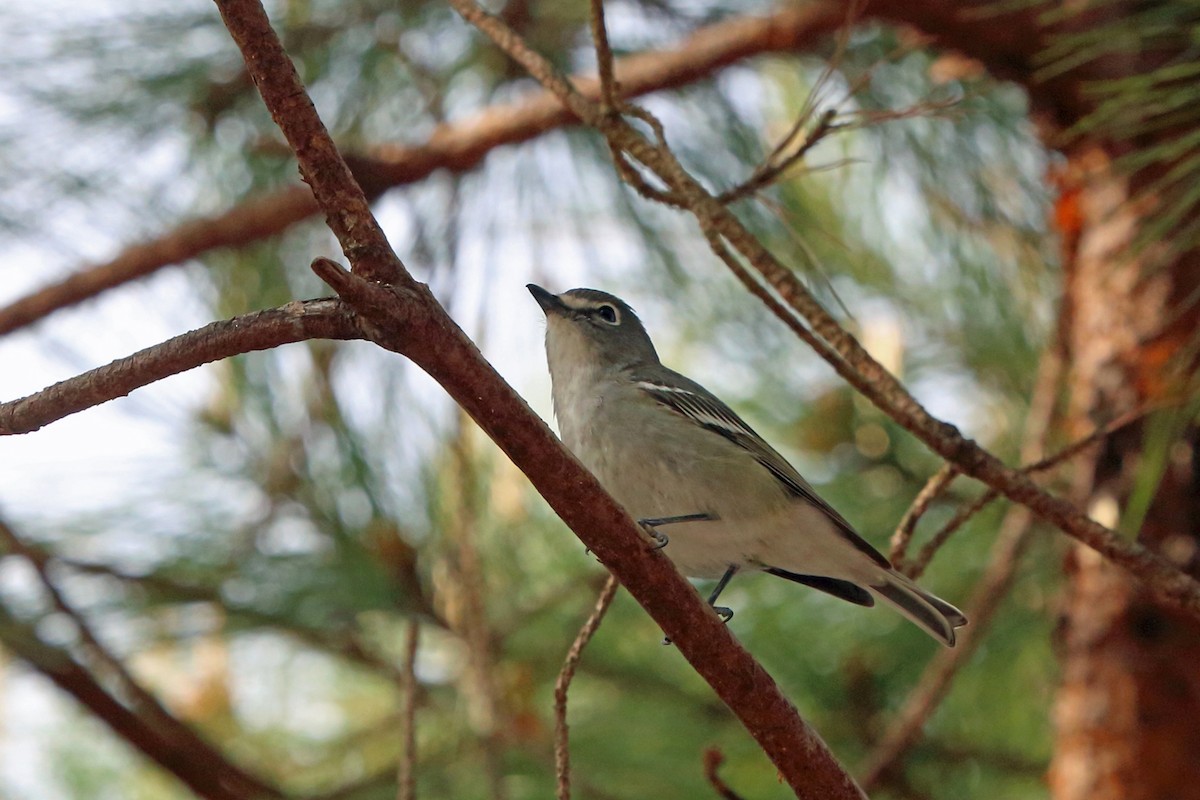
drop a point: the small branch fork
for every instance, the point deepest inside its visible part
(796, 306)
(403, 316)
(1015, 534)
(942, 478)
(562, 750)
(931, 491)
(457, 147)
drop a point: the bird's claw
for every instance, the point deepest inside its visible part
(661, 540)
(725, 614)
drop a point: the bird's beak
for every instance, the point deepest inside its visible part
(549, 302)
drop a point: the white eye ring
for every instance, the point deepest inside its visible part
(609, 314)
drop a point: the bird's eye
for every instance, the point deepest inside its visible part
(608, 314)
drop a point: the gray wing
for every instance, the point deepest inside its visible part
(691, 400)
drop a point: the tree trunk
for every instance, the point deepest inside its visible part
(1128, 710)
(1127, 714)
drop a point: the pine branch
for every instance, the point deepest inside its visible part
(783, 293)
(141, 719)
(262, 330)
(407, 318)
(458, 147)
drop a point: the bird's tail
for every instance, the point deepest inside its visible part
(933, 614)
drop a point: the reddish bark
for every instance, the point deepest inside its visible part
(1128, 712)
(457, 147)
(406, 317)
(1129, 703)
(1128, 709)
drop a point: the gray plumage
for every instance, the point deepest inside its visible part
(664, 446)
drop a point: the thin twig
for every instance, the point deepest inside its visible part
(917, 566)
(457, 147)
(604, 58)
(995, 583)
(830, 121)
(932, 489)
(406, 769)
(713, 758)
(775, 166)
(562, 750)
(776, 163)
(1015, 535)
(611, 103)
(792, 147)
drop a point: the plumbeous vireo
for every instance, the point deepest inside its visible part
(676, 457)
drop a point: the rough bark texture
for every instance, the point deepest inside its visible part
(457, 146)
(405, 317)
(1128, 710)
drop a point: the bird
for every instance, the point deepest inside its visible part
(712, 493)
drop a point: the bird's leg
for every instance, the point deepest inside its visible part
(661, 540)
(650, 526)
(724, 613)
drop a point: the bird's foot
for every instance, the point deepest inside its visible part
(724, 613)
(661, 540)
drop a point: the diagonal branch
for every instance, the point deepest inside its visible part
(458, 147)
(141, 719)
(409, 320)
(262, 330)
(795, 305)
(1016, 531)
(55, 663)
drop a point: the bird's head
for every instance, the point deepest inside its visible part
(587, 328)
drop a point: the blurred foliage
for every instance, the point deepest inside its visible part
(1154, 115)
(262, 584)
